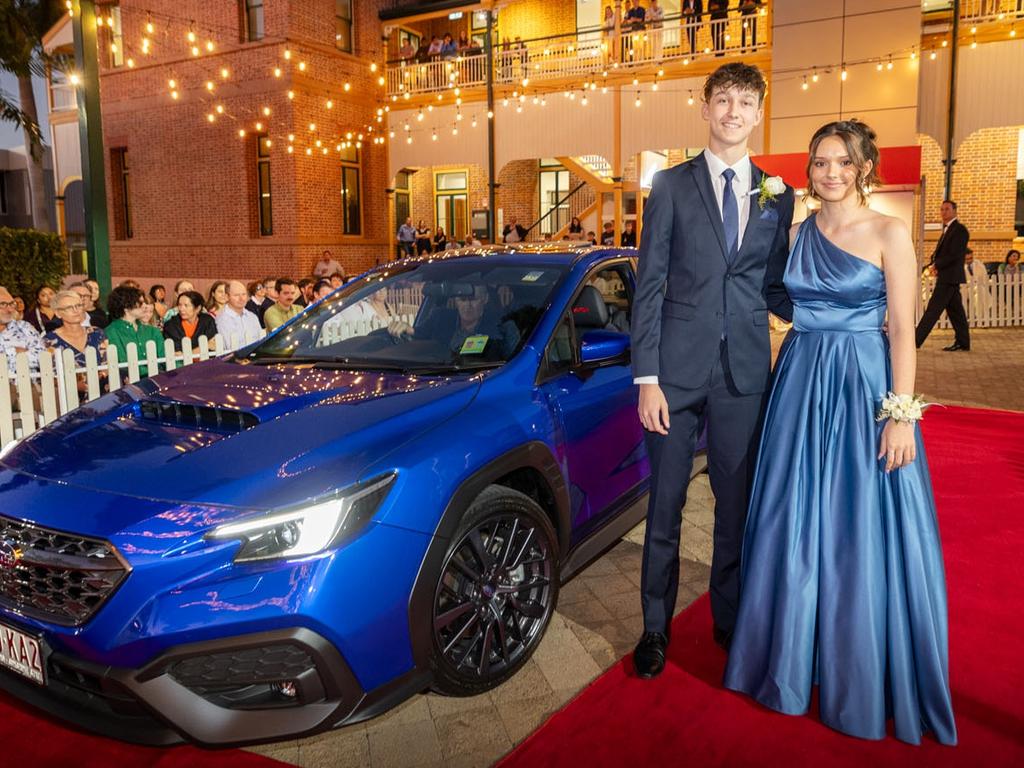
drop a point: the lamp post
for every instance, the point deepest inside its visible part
(90, 139)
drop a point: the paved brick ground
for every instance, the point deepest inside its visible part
(598, 618)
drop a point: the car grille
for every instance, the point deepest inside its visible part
(198, 416)
(54, 576)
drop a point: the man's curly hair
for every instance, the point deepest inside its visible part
(742, 76)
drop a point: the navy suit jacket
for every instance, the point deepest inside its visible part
(689, 292)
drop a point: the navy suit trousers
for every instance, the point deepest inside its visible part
(733, 423)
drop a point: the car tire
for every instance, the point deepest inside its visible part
(495, 592)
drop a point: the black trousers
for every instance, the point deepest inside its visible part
(734, 426)
(946, 296)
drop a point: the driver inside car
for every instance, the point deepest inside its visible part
(473, 328)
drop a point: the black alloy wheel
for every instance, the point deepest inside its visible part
(495, 593)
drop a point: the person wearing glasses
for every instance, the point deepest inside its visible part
(73, 334)
(17, 335)
(126, 307)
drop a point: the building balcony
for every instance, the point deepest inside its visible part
(587, 54)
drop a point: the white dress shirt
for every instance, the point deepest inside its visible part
(238, 328)
(741, 189)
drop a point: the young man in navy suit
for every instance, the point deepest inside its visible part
(712, 255)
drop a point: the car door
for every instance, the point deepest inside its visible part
(600, 441)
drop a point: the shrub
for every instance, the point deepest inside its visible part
(30, 258)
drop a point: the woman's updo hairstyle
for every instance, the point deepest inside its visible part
(859, 140)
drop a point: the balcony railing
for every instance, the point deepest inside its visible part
(586, 53)
(981, 11)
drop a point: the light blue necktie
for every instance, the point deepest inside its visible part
(730, 214)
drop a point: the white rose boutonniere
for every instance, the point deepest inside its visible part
(768, 189)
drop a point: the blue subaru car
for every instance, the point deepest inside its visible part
(380, 498)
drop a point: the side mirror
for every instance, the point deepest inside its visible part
(599, 348)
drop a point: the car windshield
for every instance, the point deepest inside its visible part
(443, 315)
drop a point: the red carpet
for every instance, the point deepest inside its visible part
(686, 718)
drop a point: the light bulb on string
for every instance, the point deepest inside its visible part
(224, 73)
(805, 86)
(291, 94)
(329, 104)
(814, 76)
(889, 64)
(842, 75)
(689, 100)
(209, 85)
(637, 102)
(266, 111)
(277, 71)
(209, 46)
(220, 109)
(347, 87)
(433, 135)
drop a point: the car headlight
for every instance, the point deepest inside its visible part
(308, 529)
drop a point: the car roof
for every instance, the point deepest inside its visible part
(558, 253)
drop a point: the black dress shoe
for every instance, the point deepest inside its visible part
(722, 638)
(956, 347)
(649, 656)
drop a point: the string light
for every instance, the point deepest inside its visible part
(637, 103)
(805, 86)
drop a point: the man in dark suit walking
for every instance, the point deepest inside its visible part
(712, 255)
(948, 259)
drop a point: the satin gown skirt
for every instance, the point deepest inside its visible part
(842, 577)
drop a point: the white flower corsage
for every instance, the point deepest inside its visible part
(902, 408)
(768, 189)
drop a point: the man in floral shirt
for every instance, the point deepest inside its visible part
(17, 335)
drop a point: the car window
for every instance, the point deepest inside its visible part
(615, 286)
(434, 314)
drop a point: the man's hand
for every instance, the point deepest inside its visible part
(399, 329)
(653, 409)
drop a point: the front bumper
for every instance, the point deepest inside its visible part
(217, 693)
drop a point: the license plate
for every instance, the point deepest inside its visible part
(22, 654)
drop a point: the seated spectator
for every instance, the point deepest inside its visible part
(94, 316)
(159, 296)
(17, 335)
(41, 315)
(608, 233)
(321, 289)
(305, 286)
(575, 228)
(628, 238)
(218, 297)
(337, 280)
(406, 51)
(440, 240)
(125, 306)
(258, 301)
(375, 308)
(473, 241)
(191, 322)
(326, 267)
(592, 237)
(19, 308)
(269, 284)
(149, 315)
(130, 283)
(180, 287)
(1011, 264)
(236, 325)
(284, 308)
(434, 50)
(73, 335)
(463, 45)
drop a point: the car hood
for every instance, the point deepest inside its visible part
(242, 435)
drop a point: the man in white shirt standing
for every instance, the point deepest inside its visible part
(236, 325)
(327, 266)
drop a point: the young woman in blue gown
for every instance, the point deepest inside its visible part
(842, 575)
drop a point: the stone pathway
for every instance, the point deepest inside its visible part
(598, 619)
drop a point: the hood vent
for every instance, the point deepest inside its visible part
(196, 416)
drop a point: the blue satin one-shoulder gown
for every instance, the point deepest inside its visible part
(842, 576)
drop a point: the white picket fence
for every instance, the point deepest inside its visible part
(51, 391)
(991, 302)
(31, 398)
